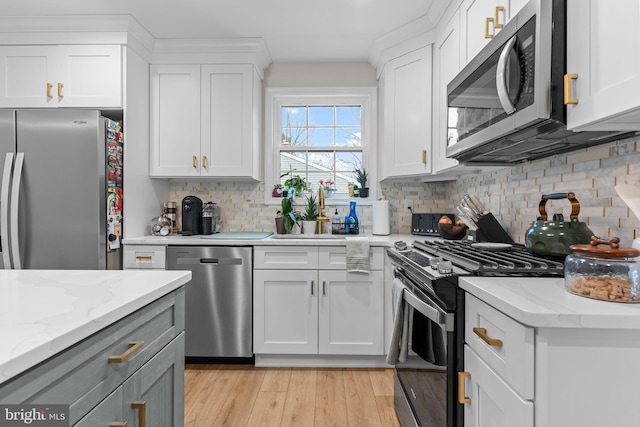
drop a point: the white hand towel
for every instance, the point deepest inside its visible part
(357, 254)
(399, 346)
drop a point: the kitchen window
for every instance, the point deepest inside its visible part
(320, 134)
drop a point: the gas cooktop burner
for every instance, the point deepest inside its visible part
(511, 261)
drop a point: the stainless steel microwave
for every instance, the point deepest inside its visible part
(507, 104)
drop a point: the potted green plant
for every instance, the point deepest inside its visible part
(287, 218)
(310, 216)
(294, 183)
(362, 176)
(277, 190)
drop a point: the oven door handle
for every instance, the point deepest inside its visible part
(431, 313)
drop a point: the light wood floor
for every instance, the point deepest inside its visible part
(241, 395)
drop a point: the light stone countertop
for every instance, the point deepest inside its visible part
(543, 302)
(43, 312)
(273, 240)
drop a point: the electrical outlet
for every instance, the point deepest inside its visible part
(407, 205)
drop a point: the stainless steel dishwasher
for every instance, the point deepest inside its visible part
(218, 301)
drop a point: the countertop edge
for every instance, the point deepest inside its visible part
(74, 332)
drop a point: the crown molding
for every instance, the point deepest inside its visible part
(76, 29)
(213, 51)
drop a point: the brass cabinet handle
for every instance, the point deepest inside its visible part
(143, 257)
(424, 157)
(49, 86)
(462, 399)
(312, 287)
(194, 161)
(60, 86)
(567, 89)
(134, 347)
(496, 18)
(204, 161)
(487, 35)
(482, 333)
(118, 424)
(324, 288)
(142, 412)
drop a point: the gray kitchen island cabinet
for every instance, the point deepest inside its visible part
(129, 372)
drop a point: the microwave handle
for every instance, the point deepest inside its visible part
(501, 77)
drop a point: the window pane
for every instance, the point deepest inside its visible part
(294, 116)
(296, 137)
(320, 116)
(348, 116)
(321, 161)
(348, 137)
(292, 161)
(347, 162)
(321, 137)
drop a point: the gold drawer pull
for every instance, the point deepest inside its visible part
(49, 86)
(204, 161)
(60, 86)
(312, 287)
(143, 257)
(496, 17)
(194, 162)
(567, 89)
(487, 35)
(142, 413)
(482, 333)
(134, 347)
(462, 399)
(118, 424)
(424, 157)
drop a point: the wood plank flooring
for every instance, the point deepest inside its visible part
(246, 396)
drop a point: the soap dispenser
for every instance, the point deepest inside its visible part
(335, 223)
(352, 219)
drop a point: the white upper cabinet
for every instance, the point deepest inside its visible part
(603, 65)
(205, 121)
(406, 115)
(61, 76)
(481, 20)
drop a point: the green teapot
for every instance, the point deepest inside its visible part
(553, 238)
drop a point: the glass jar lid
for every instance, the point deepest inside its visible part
(612, 250)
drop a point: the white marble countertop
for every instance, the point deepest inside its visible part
(543, 302)
(43, 312)
(273, 240)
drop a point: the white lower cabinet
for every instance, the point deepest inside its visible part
(314, 307)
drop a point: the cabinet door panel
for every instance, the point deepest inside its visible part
(160, 385)
(351, 319)
(493, 402)
(175, 121)
(603, 48)
(473, 14)
(227, 128)
(24, 74)
(285, 311)
(91, 76)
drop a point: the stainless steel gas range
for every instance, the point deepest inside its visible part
(426, 392)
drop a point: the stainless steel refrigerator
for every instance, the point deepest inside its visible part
(61, 186)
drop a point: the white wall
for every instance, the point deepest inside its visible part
(320, 74)
(143, 196)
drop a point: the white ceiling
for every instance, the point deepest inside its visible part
(293, 30)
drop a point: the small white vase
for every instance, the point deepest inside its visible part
(309, 227)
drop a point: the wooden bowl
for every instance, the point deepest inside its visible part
(452, 231)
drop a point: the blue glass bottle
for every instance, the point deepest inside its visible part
(354, 224)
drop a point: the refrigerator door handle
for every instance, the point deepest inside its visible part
(15, 199)
(4, 210)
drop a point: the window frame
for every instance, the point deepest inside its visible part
(277, 97)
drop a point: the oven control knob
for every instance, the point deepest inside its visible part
(433, 262)
(445, 267)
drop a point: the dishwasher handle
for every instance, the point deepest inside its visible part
(209, 261)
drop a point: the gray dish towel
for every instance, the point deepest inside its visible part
(399, 346)
(357, 254)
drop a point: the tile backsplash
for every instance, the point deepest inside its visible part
(512, 194)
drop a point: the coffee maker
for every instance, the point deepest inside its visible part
(191, 215)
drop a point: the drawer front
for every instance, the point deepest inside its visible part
(145, 257)
(513, 356)
(83, 376)
(285, 257)
(335, 258)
